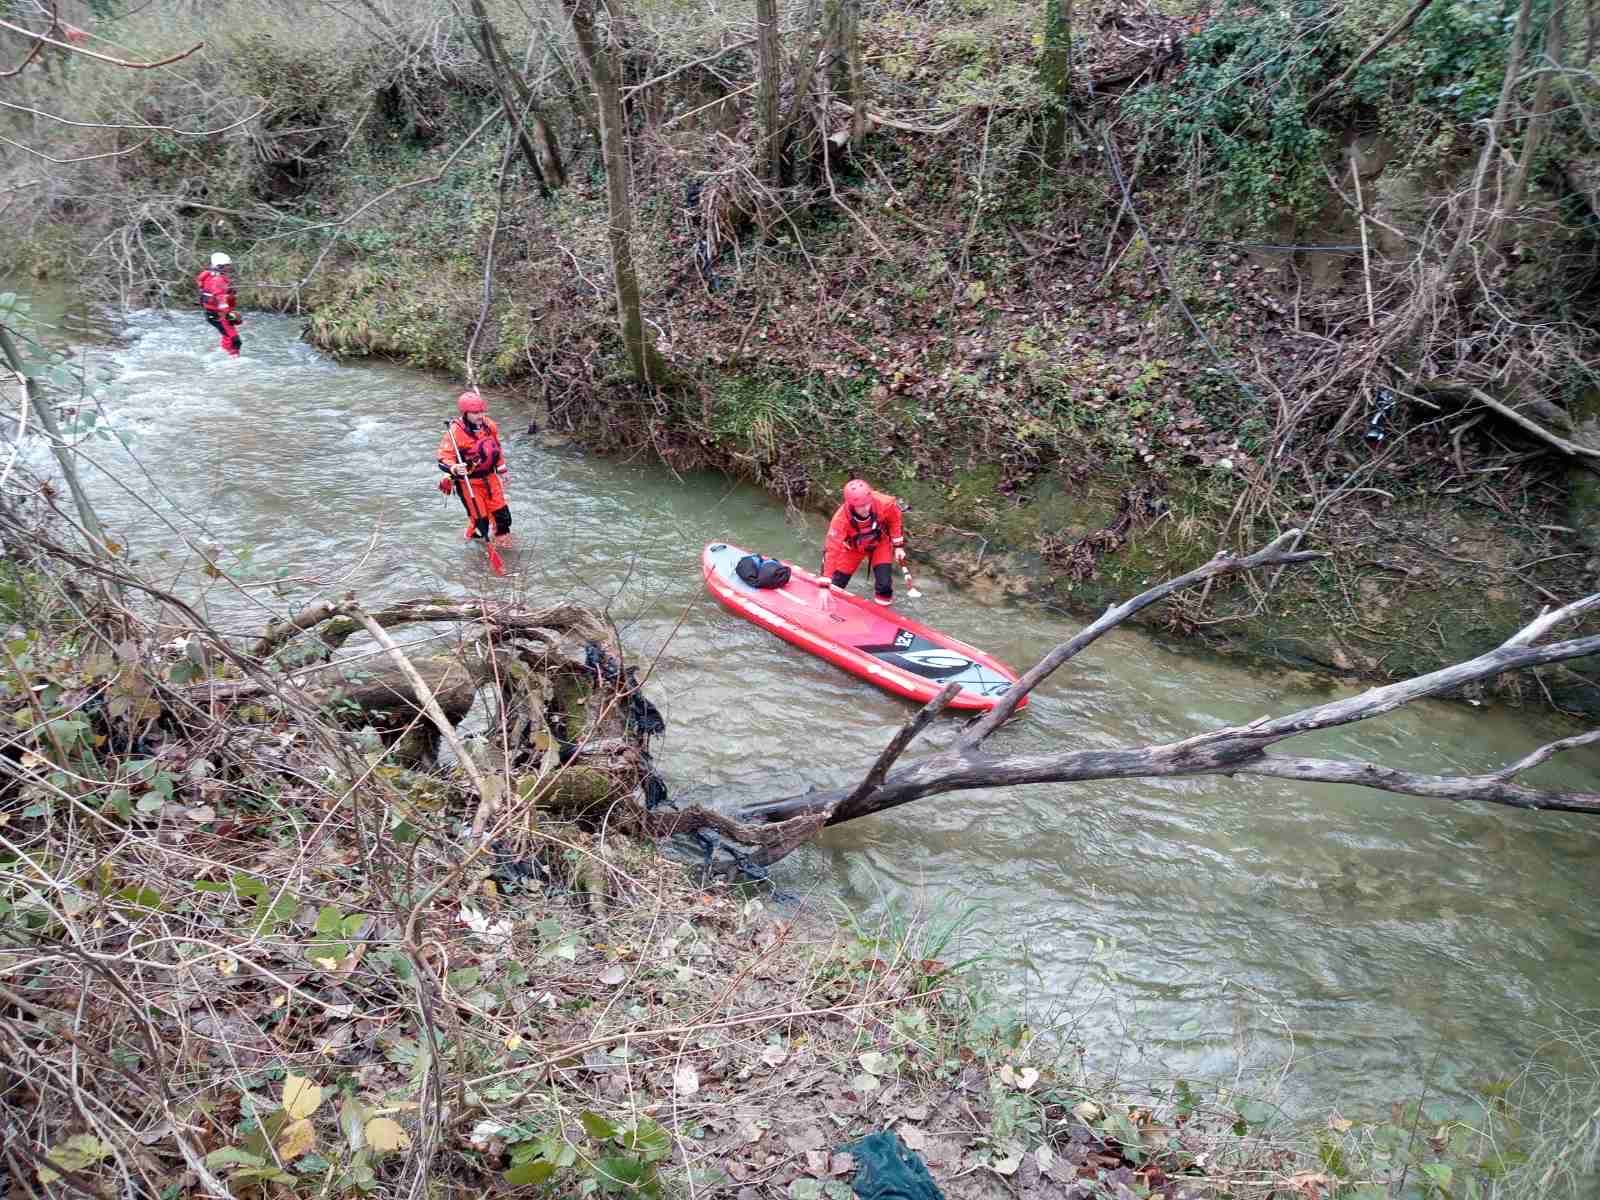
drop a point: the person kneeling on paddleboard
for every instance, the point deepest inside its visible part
(470, 457)
(867, 526)
(219, 297)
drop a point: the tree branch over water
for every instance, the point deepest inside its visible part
(777, 827)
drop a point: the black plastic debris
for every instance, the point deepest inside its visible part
(1378, 420)
(641, 717)
(655, 791)
(514, 875)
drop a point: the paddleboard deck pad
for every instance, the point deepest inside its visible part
(867, 639)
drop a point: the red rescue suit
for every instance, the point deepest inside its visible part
(874, 537)
(486, 468)
(220, 299)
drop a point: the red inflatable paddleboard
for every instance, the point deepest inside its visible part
(877, 643)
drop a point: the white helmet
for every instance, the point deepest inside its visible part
(219, 259)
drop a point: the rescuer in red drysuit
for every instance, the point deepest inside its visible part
(867, 526)
(469, 454)
(220, 300)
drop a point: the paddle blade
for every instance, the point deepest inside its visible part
(496, 563)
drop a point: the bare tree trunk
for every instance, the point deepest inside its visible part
(1438, 281)
(800, 100)
(851, 34)
(1554, 36)
(1055, 75)
(1508, 87)
(544, 138)
(767, 155)
(833, 22)
(540, 151)
(600, 65)
(58, 444)
(842, 49)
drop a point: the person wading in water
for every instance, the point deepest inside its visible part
(220, 300)
(867, 526)
(470, 457)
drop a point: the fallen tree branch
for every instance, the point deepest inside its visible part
(777, 839)
(116, 62)
(503, 617)
(899, 742)
(1271, 555)
(777, 827)
(1491, 788)
(1358, 209)
(1549, 619)
(1571, 449)
(1546, 752)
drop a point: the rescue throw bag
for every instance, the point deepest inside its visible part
(760, 571)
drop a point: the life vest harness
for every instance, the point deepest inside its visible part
(482, 454)
(868, 531)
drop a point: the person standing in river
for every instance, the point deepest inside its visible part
(220, 299)
(866, 526)
(470, 457)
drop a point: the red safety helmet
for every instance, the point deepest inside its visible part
(857, 494)
(470, 402)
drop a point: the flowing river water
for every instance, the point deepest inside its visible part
(1377, 946)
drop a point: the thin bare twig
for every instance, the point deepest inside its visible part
(116, 62)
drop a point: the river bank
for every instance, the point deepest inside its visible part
(1095, 383)
(338, 991)
(1057, 432)
(1161, 927)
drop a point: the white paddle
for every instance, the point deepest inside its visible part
(911, 585)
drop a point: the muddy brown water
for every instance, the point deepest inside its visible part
(1339, 947)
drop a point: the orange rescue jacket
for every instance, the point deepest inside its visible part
(485, 464)
(480, 451)
(849, 532)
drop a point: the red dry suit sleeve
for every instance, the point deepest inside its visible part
(889, 517)
(448, 445)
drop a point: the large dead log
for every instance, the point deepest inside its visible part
(381, 694)
(504, 619)
(347, 689)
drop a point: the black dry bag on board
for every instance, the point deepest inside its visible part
(759, 571)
